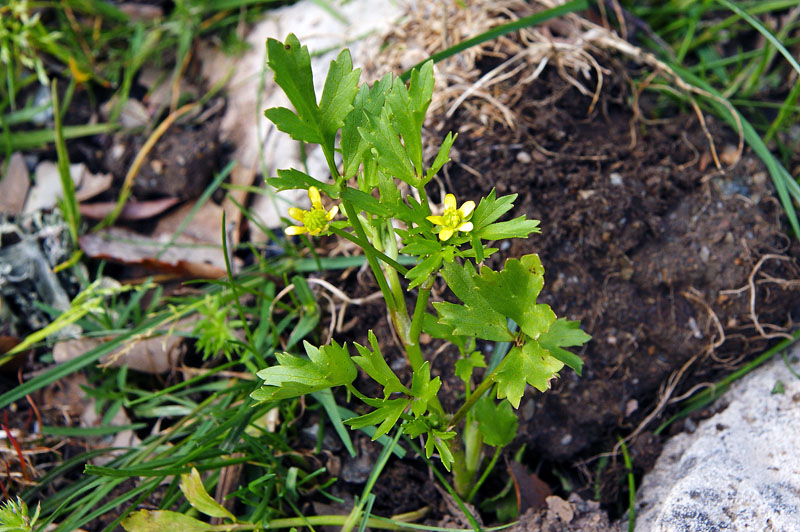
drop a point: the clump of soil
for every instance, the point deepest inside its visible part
(643, 240)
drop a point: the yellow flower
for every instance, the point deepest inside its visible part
(316, 220)
(453, 219)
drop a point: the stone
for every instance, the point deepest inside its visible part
(739, 470)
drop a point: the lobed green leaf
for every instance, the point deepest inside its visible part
(367, 103)
(497, 423)
(531, 364)
(292, 179)
(423, 389)
(325, 367)
(512, 292)
(517, 228)
(373, 363)
(388, 150)
(442, 158)
(491, 208)
(475, 317)
(564, 333)
(465, 366)
(386, 414)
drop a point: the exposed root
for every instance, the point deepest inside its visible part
(337, 317)
(751, 286)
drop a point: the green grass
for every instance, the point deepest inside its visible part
(717, 46)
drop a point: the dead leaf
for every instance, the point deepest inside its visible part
(155, 355)
(204, 227)
(92, 185)
(14, 186)
(133, 210)
(531, 491)
(185, 257)
(47, 188)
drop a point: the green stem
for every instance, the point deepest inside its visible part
(319, 520)
(363, 244)
(466, 466)
(369, 252)
(419, 310)
(484, 475)
(482, 388)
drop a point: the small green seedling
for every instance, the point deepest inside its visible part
(379, 183)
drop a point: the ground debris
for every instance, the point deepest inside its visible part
(572, 515)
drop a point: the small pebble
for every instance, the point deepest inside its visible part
(616, 179)
(524, 157)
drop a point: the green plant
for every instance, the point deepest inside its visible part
(14, 516)
(22, 38)
(381, 188)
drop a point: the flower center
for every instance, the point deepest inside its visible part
(315, 220)
(451, 218)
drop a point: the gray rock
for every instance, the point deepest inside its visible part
(740, 470)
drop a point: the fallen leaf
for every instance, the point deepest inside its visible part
(47, 190)
(155, 355)
(531, 491)
(133, 210)
(92, 185)
(183, 258)
(14, 186)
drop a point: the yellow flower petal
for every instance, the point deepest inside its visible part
(295, 230)
(333, 212)
(297, 214)
(445, 234)
(313, 195)
(466, 227)
(449, 202)
(467, 208)
(436, 220)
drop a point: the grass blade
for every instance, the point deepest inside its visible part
(763, 31)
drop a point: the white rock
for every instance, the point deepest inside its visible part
(740, 470)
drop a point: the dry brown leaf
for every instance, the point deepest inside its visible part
(127, 247)
(196, 252)
(531, 491)
(151, 355)
(46, 190)
(14, 186)
(133, 210)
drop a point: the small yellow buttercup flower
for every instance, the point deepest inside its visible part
(316, 220)
(453, 219)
